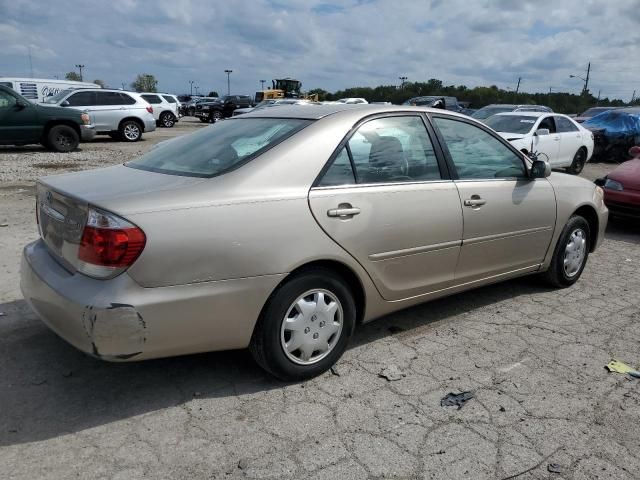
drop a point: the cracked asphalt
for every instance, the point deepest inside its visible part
(533, 358)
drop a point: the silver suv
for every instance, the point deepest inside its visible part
(119, 114)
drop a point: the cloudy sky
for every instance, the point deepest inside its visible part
(330, 44)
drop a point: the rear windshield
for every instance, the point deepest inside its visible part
(219, 148)
(511, 123)
(486, 112)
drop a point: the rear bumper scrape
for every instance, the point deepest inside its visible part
(117, 332)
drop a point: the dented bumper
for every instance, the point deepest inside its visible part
(118, 320)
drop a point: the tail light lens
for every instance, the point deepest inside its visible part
(109, 245)
(150, 109)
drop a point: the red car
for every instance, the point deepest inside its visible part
(622, 187)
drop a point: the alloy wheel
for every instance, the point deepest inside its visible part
(131, 131)
(575, 253)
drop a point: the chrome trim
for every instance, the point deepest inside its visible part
(376, 257)
(386, 184)
(498, 236)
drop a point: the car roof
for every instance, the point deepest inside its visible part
(528, 114)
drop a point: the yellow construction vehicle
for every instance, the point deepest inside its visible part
(284, 88)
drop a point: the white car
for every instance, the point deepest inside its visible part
(351, 101)
(560, 140)
(175, 103)
(165, 113)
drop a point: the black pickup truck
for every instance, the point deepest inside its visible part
(221, 108)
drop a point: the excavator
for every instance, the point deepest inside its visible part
(284, 88)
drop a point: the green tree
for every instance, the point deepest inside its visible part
(145, 82)
(322, 94)
(213, 94)
(99, 82)
(73, 76)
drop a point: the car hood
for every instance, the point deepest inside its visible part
(55, 111)
(126, 190)
(628, 174)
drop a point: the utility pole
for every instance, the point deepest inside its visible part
(191, 82)
(80, 67)
(586, 81)
(598, 102)
(228, 72)
(262, 84)
(633, 97)
(402, 80)
(517, 89)
(30, 62)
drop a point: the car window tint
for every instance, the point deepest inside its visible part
(126, 99)
(169, 99)
(393, 149)
(107, 98)
(564, 125)
(82, 99)
(152, 99)
(340, 172)
(548, 123)
(6, 100)
(476, 154)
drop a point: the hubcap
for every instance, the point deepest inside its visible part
(168, 121)
(131, 131)
(63, 140)
(312, 327)
(575, 252)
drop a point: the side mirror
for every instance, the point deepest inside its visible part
(634, 151)
(540, 169)
(64, 104)
(21, 104)
(542, 131)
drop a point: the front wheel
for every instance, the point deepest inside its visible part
(214, 116)
(167, 119)
(305, 326)
(130, 131)
(579, 160)
(571, 253)
(62, 138)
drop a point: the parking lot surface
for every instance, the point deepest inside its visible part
(543, 405)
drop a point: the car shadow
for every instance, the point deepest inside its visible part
(49, 388)
(30, 149)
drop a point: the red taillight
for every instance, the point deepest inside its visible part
(109, 247)
(150, 109)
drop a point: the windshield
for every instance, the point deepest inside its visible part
(57, 97)
(486, 112)
(218, 148)
(511, 123)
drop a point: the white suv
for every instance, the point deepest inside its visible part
(119, 114)
(164, 112)
(173, 100)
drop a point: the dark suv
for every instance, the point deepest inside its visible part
(222, 108)
(59, 129)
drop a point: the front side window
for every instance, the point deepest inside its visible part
(219, 148)
(82, 99)
(549, 124)
(476, 154)
(564, 125)
(6, 100)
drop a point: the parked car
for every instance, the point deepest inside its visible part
(165, 112)
(119, 114)
(221, 240)
(190, 107)
(23, 123)
(615, 132)
(451, 103)
(485, 112)
(592, 112)
(37, 90)
(563, 142)
(176, 103)
(622, 187)
(272, 103)
(222, 107)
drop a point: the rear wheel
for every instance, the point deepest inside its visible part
(214, 116)
(62, 138)
(571, 253)
(305, 326)
(579, 160)
(167, 119)
(130, 131)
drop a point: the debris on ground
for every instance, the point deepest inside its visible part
(618, 367)
(335, 371)
(456, 399)
(392, 373)
(554, 468)
(4, 224)
(393, 329)
(243, 464)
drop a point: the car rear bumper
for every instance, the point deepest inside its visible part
(118, 320)
(87, 132)
(149, 124)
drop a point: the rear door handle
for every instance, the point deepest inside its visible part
(474, 201)
(344, 210)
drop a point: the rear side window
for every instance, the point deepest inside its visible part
(6, 101)
(219, 148)
(108, 98)
(126, 99)
(340, 172)
(152, 99)
(82, 99)
(169, 99)
(476, 154)
(564, 125)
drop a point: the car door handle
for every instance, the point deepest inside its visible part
(474, 201)
(344, 210)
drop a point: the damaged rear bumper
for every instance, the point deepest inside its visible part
(118, 320)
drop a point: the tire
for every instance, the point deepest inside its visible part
(62, 138)
(215, 115)
(578, 163)
(317, 286)
(130, 131)
(204, 120)
(167, 119)
(577, 233)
